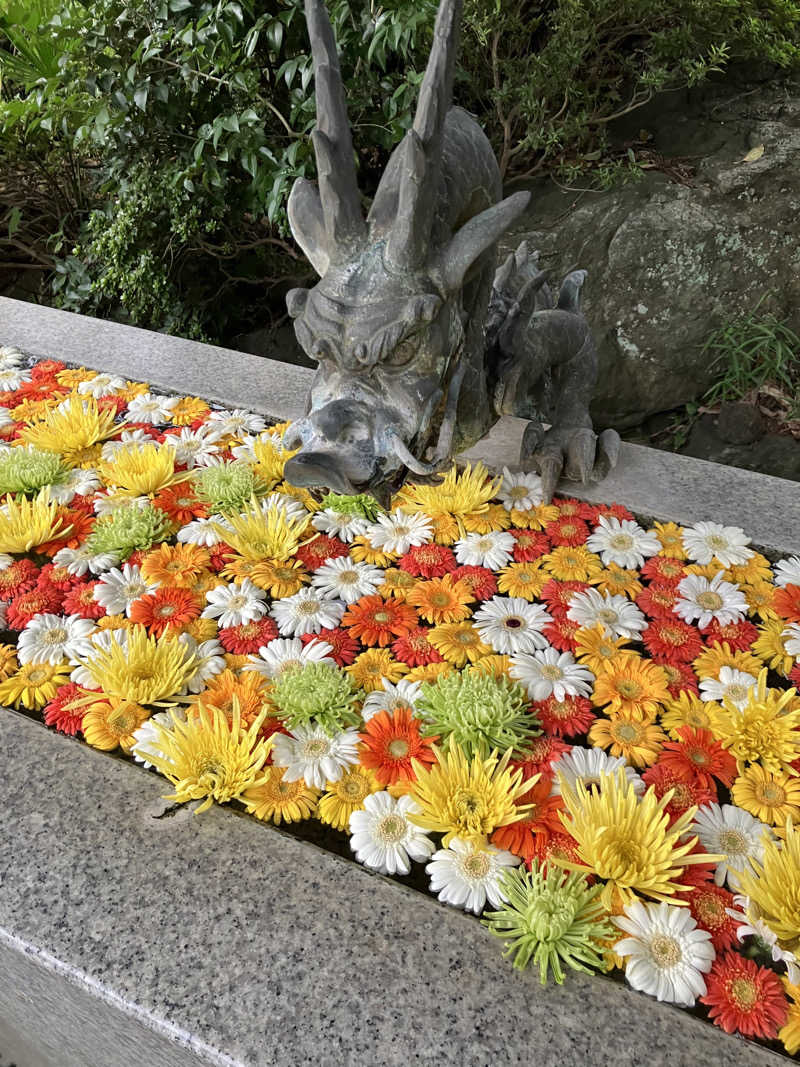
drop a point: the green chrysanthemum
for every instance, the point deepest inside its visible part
(129, 528)
(227, 487)
(360, 505)
(26, 469)
(318, 692)
(553, 920)
(479, 713)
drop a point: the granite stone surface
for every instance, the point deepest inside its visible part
(271, 952)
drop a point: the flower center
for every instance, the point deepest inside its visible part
(391, 829)
(401, 530)
(666, 951)
(736, 692)
(628, 688)
(466, 637)
(551, 671)
(382, 617)
(744, 992)
(56, 636)
(165, 610)
(38, 675)
(623, 541)
(308, 607)
(771, 794)
(608, 615)
(733, 843)
(466, 801)
(398, 748)
(518, 492)
(348, 577)
(709, 600)
(353, 788)
(315, 748)
(717, 542)
(627, 732)
(513, 622)
(477, 866)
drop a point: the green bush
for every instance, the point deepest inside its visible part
(147, 147)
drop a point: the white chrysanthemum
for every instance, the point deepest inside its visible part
(12, 378)
(787, 571)
(346, 580)
(708, 540)
(703, 600)
(466, 875)
(125, 440)
(193, 448)
(666, 952)
(589, 765)
(392, 697)
(492, 550)
(339, 524)
(10, 357)
(614, 612)
(80, 560)
(203, 531)
(235, 604)
(520, 492)
(732, 833)
(511, 624)
(307, 612)
(234, 423)
(791, 639)
(752, 925)
(286, 652)
(151, 408)
(79, 481)
(146, 738)
(101, 385)
(398, 532)
(384, 838)
(118, 589)
(210, 661)
(311, 754)
(623, 542)
(548, 672)
(53, 638)
(733, 684)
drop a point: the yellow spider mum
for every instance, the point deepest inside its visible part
(670, 536)
(718, 655)
(141, 470)
(631, 685)
(33, 685)
(468, 798)
(26, 524)
(457, 495)
(773, 886)
(772, 798)
(626, 841)
(687, 709)
(597, 651)
(769, 646)
(77, 426)
(766, 731)
(346, 796)
(572, 563)
(458, 642)
(263, 533)
(108, 724)
(370, 669)
(524, 580)
(141, 668)
(277, 801)
(270, 459)
(616, 580)
(210, 757)
(789, 1033)
(626, 735)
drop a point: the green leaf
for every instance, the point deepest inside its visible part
(230, 123)
(140, 97)
(14, 220)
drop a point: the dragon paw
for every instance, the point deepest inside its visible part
(574, 452)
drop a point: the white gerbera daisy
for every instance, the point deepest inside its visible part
(466, 875)
(126, 439)
(391, 698)
(511, 624)
(398, 532)
(787, 571)
(340, 524)
(9, 357)
(705, 600)
(101, 385)
(383, 837)
(151, 408)
(209, 663)
(623, 542)
(117, 589)
(752, 925)
(193, 448)
(666, 952)
(614, 612)
(791, 639)
(346, 580)
(286, 652)
(12, 378)
(311, 754)
(520, 492)
(492, 550)
(733, 833)
(53, 638)
(235, 604)
(203, 531)
(146, 738)
(547, 672)
(590, 766)
(234, 423)
(706, 541)
(733, 684)
(79, 481)
(307, 612)
(81, 559)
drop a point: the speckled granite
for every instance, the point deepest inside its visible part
(273, 952)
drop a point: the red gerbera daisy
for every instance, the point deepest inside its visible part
(542, 752)
(18, 577)
(247, 638)
(561, 633)
(428, 561)
(567, 530)
(543, 820)
(569, 506)
(59, 716)
(415, 649)
(180, 504)
(47, 368)
(80, 601)
(786, 602)
(680, 677)
(687, 792)
(614, 511)
(33, 602)
(530, 545)
(40, 389)
(708, 904)
(561, 846)
(481, 580)
(794, 675)
(744, 998)
(698, 756)
(739, 635)
(658, 599)
(219, 555)
(344, 645)
(166, 608)
(672, 641)
(321, 548)
(391, 742)
(569, 717)
(557, 595)
(377, 621)
(663, 569)
(53, 576)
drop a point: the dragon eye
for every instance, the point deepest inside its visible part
(405, 351)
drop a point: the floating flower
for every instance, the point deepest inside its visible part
(705, 600)
(376, 621)
(344, 579)
(458, 642)
(732, 834)
(466, 874)
(520, 491)
(52, 639)
(428, 561)
(165, 611)
(631, 686)
(771, 798)
(440, 600)
(391, 742)
(72, 429)
(765, 731)
(512, 625)
(141, 470)
(622, 542)
(404, 695)
(309, 752)
(117, 590)
(110, 722)
(33, 685)
(616, 614)
(134, 666)
(27, 470)
(744, 998)
(345, 796)
(547, 672)
(316, 694)
(383, 836)
(276, 800)
(492, 550)
(569, 717)
(638, 742)
(26, 524)
(306, 612)
(235, 604)
(696, 755)
(708, 541)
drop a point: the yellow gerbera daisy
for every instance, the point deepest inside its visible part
(175, 565)
(370, 668)
(458, 642)
(772, 798)
(524, 580)
(687, 709)
(639, 742)
(396, 583)
(631, 685)
(277, 801)
(25, 524)
(707, 570)
(8, 661)
(108, 724)
(718, 655)
(363, 552)
(789, 1033)
(756, 569)
(769, 646)
(759, 599)
(33, 685)
(613, 579)
(670, 536)
(429, 672)
(766, 731)
(345, 796)
(535, 518)
(441, 600)
(70, 377)
(278, 579)
(187, 410)
(596, 650)
(494, 518)
(570, 563)
(200, 629)
(496, 666)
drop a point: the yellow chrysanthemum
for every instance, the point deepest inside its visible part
(596, 650)
(141, 668)
(687, 709)
(718, 655)
(766, 731)
(773, 886)
(33, 685)
(789, 1034)
(263, 533)
(616, 580)
(626, 841)
(429, 672)
(277, 801)
(756, 569)
(456, 495)
(270, 459)
(306, 498)
(25, 524)
(175, 565)
(759, 600)
(572, 563)
(670, 536)
(467, 798)
(345, 796)
(200, 629)
(370, 668)
(108, 724)
(458, 642)
(75, 426)
(639, 742)
(187, 410)
(8, 661)
(769, 646)
(114, 622)
(524, 580)
(630, 685)
(141, 470)
(772, 798)
(210, 757)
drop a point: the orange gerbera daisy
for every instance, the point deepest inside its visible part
(631, 686)
(175, 565)
(187, 410)
(441, 599)
(249, 689)
(165, 609)
(391, 742)
(376, 621)
(277, 579)
(180, 504)
(541, 821)
(458, 642)
(786, 602)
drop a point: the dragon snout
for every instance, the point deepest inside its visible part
(319, 468)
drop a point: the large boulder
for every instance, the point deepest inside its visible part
(668, 262)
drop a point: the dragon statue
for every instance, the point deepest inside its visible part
(420, 343)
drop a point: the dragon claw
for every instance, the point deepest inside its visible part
(576, 453)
